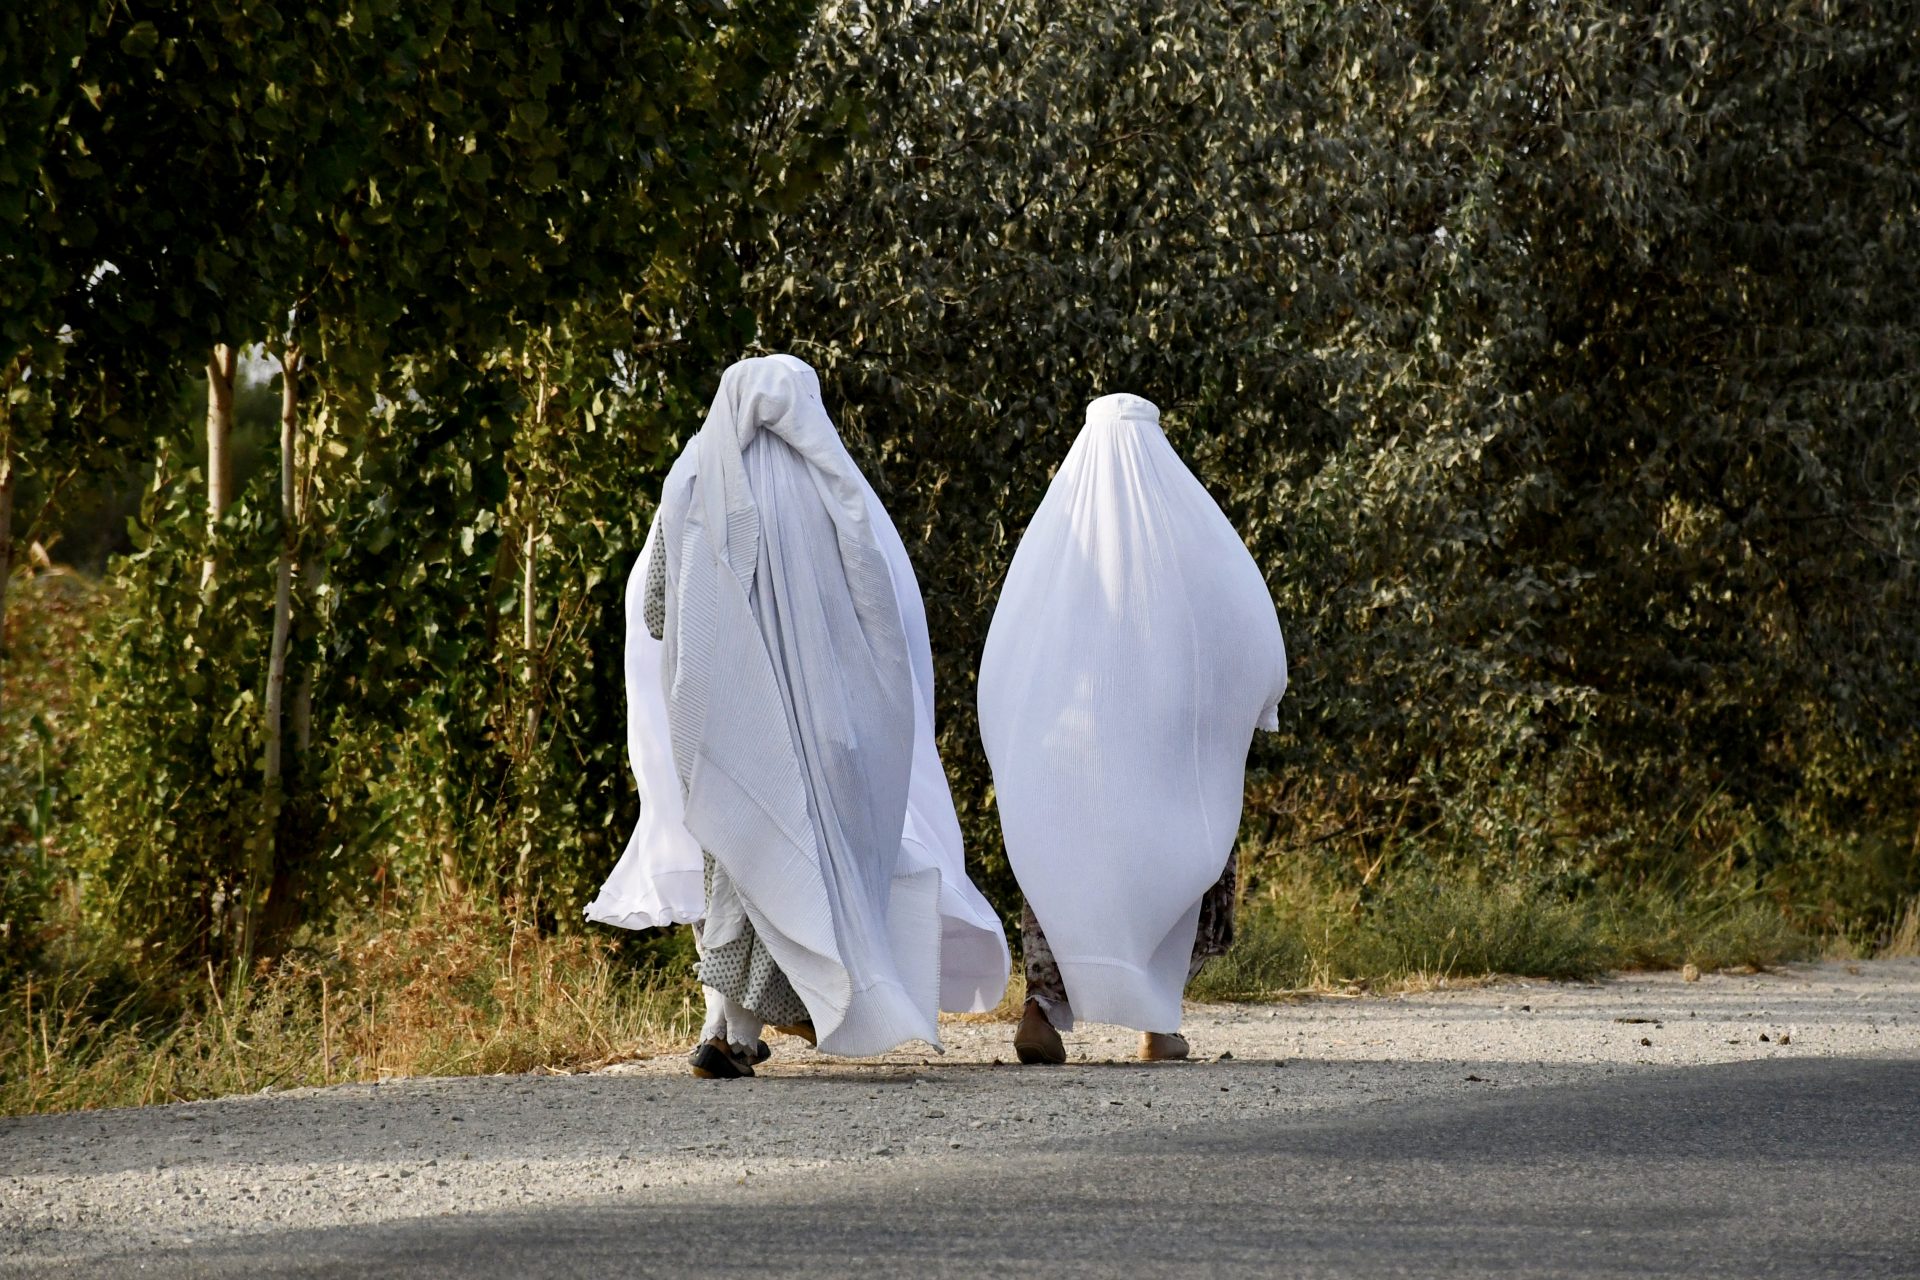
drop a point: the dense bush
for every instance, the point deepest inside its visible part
(490, 252)
(1555, 361)
(39, 739)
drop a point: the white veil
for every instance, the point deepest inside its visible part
(1132, 654)
(829, 592)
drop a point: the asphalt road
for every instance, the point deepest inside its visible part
(1794, 1168)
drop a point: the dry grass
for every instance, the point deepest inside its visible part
(460, 987)
(1904, 943)
(460, 990)
(1011, 1003)
(1304, 937)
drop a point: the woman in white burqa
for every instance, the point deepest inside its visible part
(1133, 653)
(780, 724)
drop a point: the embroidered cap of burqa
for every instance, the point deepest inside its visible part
(785, 724)
(1133, 653)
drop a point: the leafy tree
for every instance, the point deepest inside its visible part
(411, 200)
(1554, 360)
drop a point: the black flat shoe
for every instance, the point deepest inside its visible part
(761, 1052)
(714, 1060)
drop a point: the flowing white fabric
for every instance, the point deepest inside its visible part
(873, 932)
(660, 878)
(974, 960)
(1133, 653)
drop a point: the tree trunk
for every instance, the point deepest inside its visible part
(528, 635)
(302, 711)
(283, 594)
(13, 374)
(311, 575)
(260, 874)
(6, 545)
(219, 435)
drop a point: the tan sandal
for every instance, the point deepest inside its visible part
(1163, 1046)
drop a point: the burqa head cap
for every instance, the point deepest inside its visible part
(1123, 407)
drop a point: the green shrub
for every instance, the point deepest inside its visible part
(1308, 932)
(1554, 361)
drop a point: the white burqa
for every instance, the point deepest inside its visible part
(789, 772)
(1133, 653)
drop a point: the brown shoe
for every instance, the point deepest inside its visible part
(802, 1029)
(1163, 1046)
(1035, 1040)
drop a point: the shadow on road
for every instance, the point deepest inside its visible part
(1804, 1168)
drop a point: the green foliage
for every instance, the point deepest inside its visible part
(1306, 932)
(40, 728)
(1554, 361)
(166, 783)
(468, 220)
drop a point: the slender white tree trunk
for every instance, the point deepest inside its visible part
(310, 568)
(6, 544)
(219, 437)
(527, 636)
(301, 714)
(529, 541)
(7, 383)
(283, 592)
(260, 874)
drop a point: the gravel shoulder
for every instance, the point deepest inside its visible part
(101, 1189)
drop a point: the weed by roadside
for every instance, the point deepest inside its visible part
(1905, 942)
(1303, 934)
(460, 989)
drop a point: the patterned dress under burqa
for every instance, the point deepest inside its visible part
(743, 970)
(1211, 939)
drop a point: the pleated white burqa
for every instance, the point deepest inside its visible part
(785, 725)
(1133, 653)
